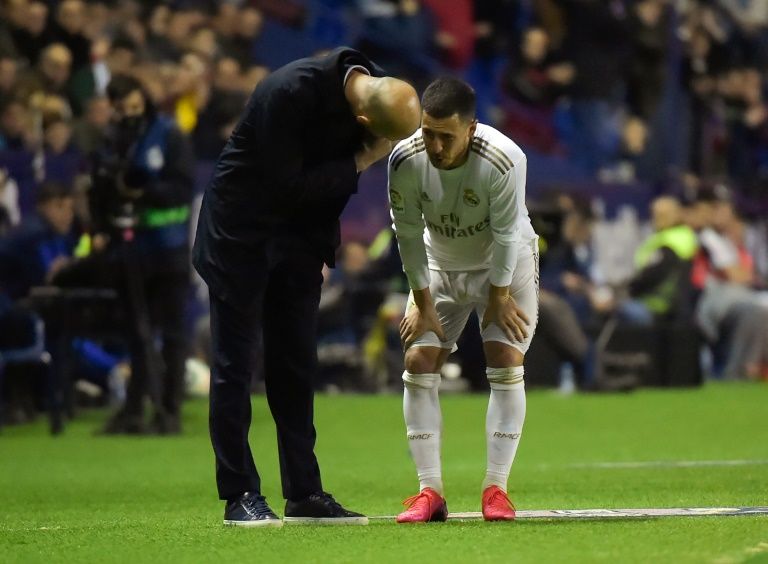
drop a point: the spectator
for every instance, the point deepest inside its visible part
(88, 132)
(747, 123)
(222, 110)
(700, 64)
(68, 30)
(751, 29)
(51, 74)
(534, 81)
(649, 28)
(225, 24)
(399, 34)
(190, 90)
(731, 315)
(494, 38)
(14, 126)
(240, 46)
(663, 263)
(8, 77)
(203, 43)
(29, 28)
(597, 43)
(569, 268)
(63, 160)
(455, 35)
(628, 165)
(158, 46)
(41, 246)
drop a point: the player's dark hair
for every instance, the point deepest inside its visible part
(448, 95)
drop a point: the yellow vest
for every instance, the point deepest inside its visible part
(681, 239)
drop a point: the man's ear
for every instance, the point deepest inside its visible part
(364, 121)
(473, 128)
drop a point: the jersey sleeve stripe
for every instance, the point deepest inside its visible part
(401, 159)
(503, 157)
(491, 159)
(405, 149)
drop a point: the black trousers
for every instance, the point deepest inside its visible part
(286, 295)
(166, 294)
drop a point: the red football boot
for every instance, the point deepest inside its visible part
(496, 505)
(427, 505)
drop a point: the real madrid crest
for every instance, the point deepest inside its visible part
(470, 198)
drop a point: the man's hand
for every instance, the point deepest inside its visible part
(373, 150)
(420, 317)
(504, 312)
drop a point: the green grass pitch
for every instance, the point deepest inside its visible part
(80, 498)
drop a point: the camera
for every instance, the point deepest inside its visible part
(116, 188)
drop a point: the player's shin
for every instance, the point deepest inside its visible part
(423, 420)
(504, 422)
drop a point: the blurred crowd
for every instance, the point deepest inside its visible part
(668, 93)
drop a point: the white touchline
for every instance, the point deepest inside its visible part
(612, 513)
(668, 464)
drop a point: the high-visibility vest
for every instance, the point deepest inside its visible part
(681, 239)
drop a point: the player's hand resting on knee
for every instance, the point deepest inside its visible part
(420, 320)
(503, 311)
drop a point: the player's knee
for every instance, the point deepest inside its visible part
(507, 378)
(420, 380)
(422, 360)
(500, 355)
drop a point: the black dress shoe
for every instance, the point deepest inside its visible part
(250, 510)
(321, 509)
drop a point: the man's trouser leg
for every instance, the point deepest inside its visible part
(233, 333)
(168, 300)
(290, 364)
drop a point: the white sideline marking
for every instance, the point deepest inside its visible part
(667, 464)
(612, 513)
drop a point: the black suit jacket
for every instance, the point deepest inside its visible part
(284, 176)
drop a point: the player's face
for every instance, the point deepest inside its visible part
(447, 139)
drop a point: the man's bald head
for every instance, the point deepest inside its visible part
(388, 107)
(666, 212)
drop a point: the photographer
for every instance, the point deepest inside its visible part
(140, 205)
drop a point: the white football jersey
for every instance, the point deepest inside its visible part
(475, 214)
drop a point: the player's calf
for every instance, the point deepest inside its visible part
(423, 421)
(504, 422)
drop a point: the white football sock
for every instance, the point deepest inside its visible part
(423, 421)
(503, 423)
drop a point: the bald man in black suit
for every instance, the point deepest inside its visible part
(269, 221)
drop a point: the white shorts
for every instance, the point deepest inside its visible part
(457, 293)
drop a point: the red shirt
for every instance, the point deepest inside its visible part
(456, 18)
